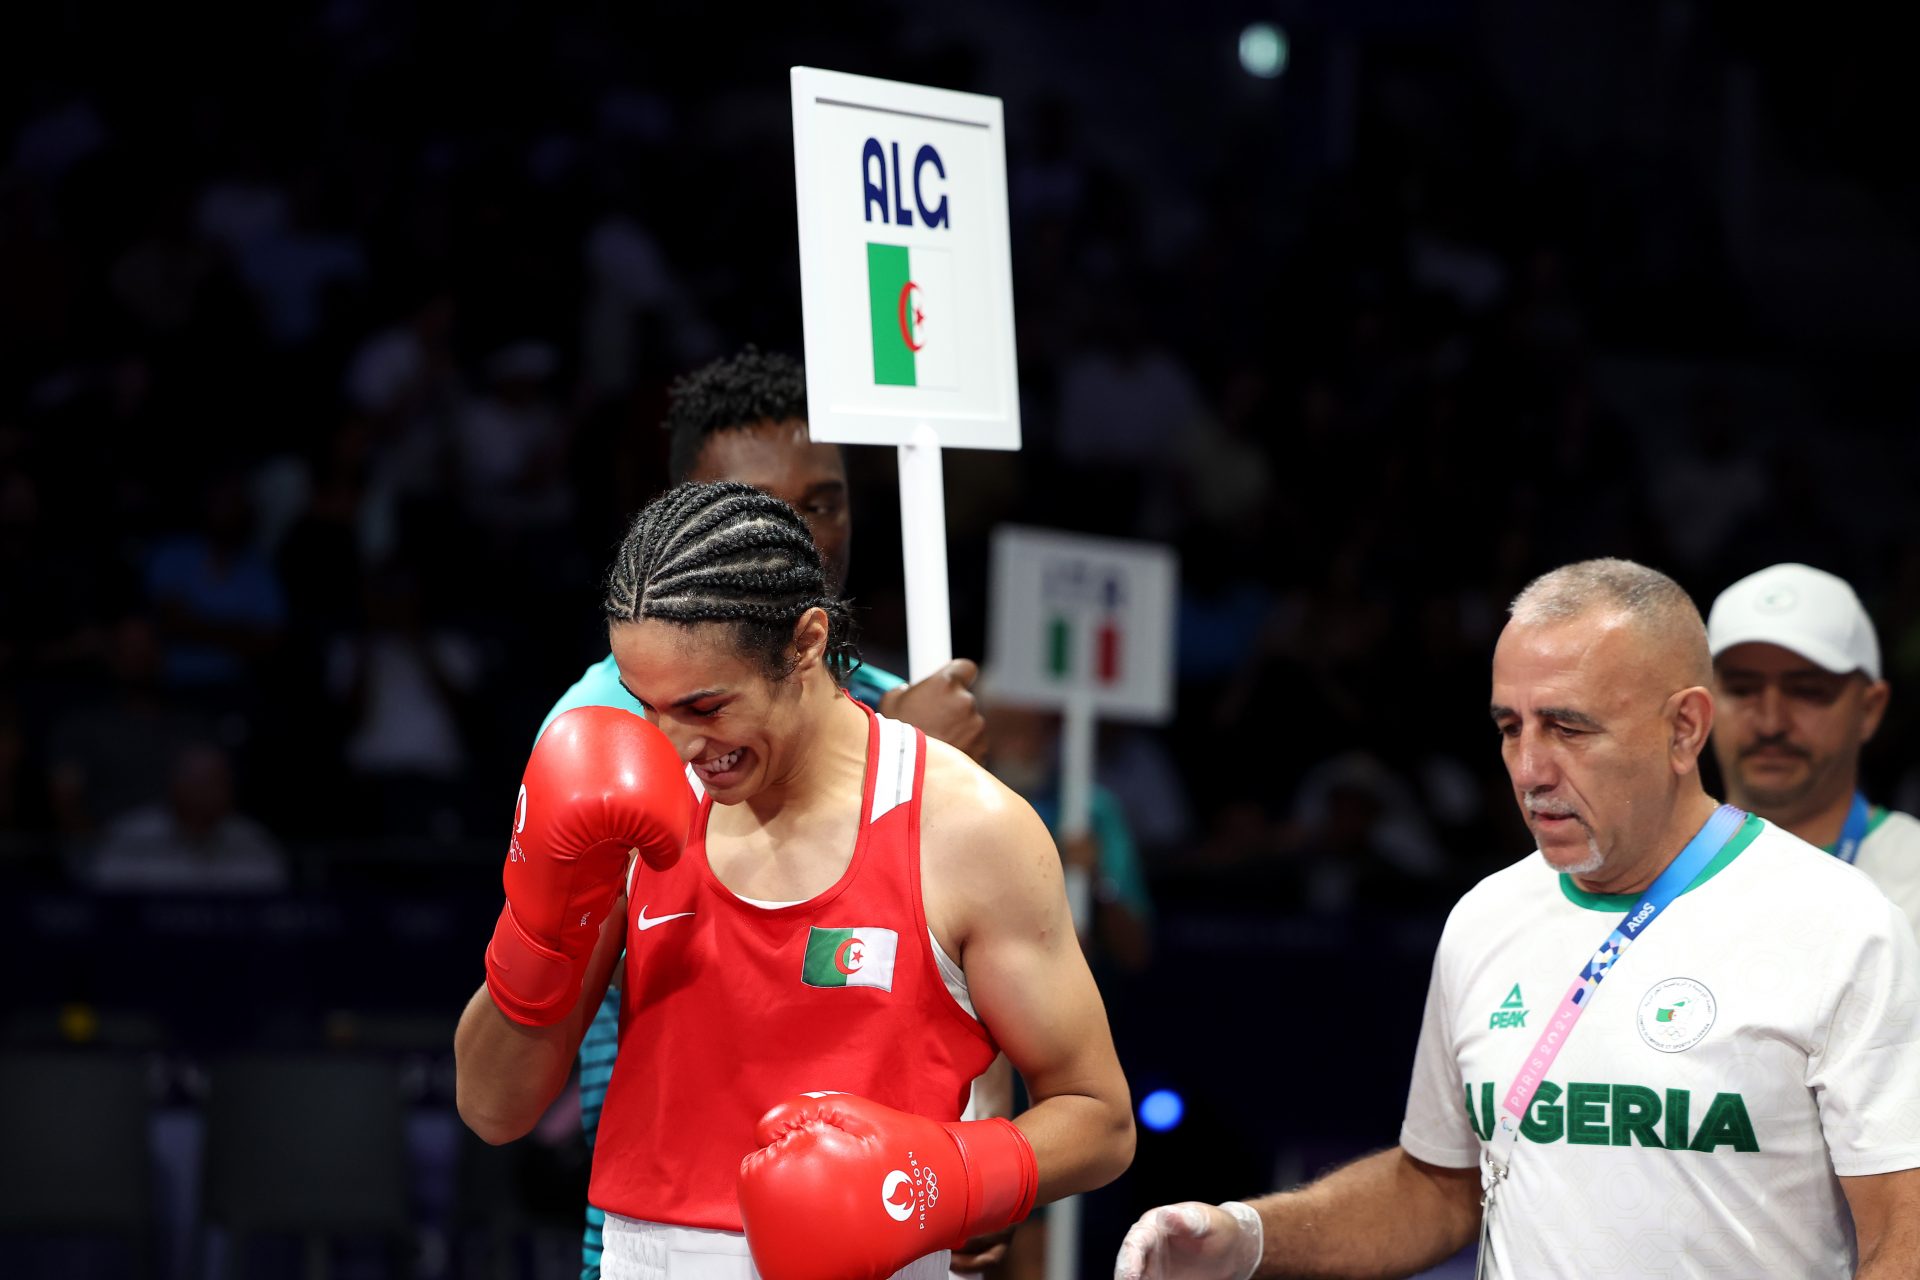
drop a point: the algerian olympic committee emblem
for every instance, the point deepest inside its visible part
(1676, 1014)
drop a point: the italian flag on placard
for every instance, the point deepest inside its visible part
(910, 303)
(859, 957)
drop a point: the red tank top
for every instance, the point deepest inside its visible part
(728, 1008)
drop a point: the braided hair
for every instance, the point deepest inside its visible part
(729, 553)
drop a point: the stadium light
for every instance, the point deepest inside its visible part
(1263, 51)
(1161, 1110)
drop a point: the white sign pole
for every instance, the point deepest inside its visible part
(1063, 1239)
(1078, 724)
(923, 555)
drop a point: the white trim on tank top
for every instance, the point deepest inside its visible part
(893, 773)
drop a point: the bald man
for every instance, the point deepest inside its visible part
(1740, 1023)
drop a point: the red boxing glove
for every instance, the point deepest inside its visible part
(843, 1188)
(601, 783)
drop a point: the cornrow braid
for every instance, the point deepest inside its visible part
(729, 553)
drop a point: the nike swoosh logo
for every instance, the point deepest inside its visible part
(643, 924)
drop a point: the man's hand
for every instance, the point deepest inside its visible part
(943, 705)
(1191, 1241)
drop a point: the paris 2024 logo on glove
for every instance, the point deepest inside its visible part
(514, 852)
(904, 1194)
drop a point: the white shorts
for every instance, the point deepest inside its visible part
(636, 1250)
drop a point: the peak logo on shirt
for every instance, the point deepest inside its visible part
(1511, 1013)
(1622, 1115)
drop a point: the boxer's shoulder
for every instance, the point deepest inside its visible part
(962, 801)
(982, 847)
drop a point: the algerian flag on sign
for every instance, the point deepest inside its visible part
(860, 957)
(911, 301)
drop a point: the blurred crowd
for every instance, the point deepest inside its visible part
(335, 339)
(334, 371)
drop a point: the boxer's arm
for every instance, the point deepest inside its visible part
(507, 1074)
(1384, 1214)
(994, 888)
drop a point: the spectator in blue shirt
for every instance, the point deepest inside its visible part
(221, 606)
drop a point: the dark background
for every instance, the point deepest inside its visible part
(378, 302)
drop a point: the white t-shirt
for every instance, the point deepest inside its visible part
(1768, 1023)
(1890, 855)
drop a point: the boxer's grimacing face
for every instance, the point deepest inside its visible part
(1584, 733)
(778, 458)
(717, 705)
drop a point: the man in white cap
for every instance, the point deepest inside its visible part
(1796, 670)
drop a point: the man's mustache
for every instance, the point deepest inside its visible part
(1773, 744)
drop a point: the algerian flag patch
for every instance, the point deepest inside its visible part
(858, 957)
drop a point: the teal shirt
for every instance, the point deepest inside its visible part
(599, 686)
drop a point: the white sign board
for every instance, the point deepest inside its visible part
(906, 282)
(1083, 619)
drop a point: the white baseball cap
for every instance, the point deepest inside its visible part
(1797, 607)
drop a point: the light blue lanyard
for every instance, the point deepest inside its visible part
(1853, 832)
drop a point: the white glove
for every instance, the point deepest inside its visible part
(1192, 1241)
